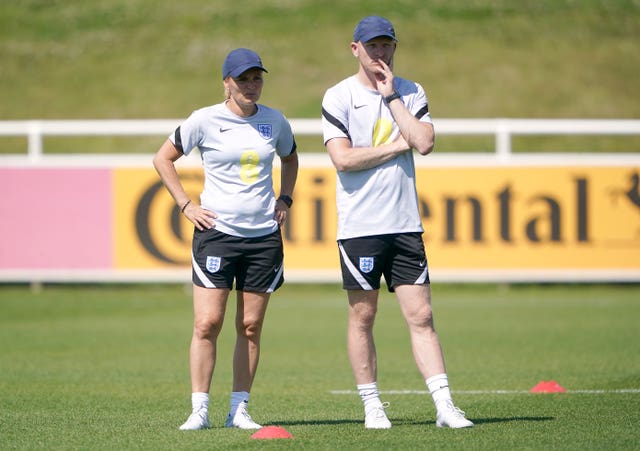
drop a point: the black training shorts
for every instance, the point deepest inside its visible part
(401, 258)
(256, 264)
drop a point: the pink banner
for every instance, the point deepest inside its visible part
(55, 218)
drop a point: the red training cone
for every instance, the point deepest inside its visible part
(548, 387)
(268, 432)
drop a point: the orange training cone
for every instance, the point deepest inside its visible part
(268, 432)
(548, 387)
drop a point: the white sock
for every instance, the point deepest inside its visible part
(438, 386)
(369, 395)
(199, 401)
(236, 398)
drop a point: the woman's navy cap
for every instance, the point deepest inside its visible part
(239, 61)
(372, 27)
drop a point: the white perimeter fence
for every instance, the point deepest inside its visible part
(503, 130)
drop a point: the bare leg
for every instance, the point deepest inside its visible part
(415, 303)
(209, 305)
(361, 348)
(250, 315)
(363, 306)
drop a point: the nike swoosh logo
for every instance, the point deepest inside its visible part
(357, 107)
(222, 130)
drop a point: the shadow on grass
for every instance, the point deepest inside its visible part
(315, 422)
(476, 421)
(509, 419)
(408, 422)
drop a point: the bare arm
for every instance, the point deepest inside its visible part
(347, 158)
(288, 177)
(419, 135)
(164, 162)
(288, 173)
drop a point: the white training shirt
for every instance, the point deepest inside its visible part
(237, 155)
(380, 200)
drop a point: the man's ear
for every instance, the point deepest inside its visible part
(354, 49)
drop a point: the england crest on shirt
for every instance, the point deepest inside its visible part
(265, 130)
(213, 263)
(366, 264)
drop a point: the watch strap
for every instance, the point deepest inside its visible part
(286, 199)
(392, 97)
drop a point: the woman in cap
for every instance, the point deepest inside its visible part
(236, 224)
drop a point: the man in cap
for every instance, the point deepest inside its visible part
(371, 122)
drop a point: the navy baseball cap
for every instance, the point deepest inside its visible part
(239, 61)
(372, 27)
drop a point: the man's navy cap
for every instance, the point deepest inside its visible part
(372, 27)
(239, 61)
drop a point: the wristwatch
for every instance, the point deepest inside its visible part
(286, 199)
(392, 97)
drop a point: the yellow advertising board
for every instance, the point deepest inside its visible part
(479, 218)
(531, 217)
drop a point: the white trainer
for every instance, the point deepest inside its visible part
(241, 419)
(449, 416)
(376, 418)
(197, 420)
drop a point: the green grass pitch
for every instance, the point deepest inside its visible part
(106, 367)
